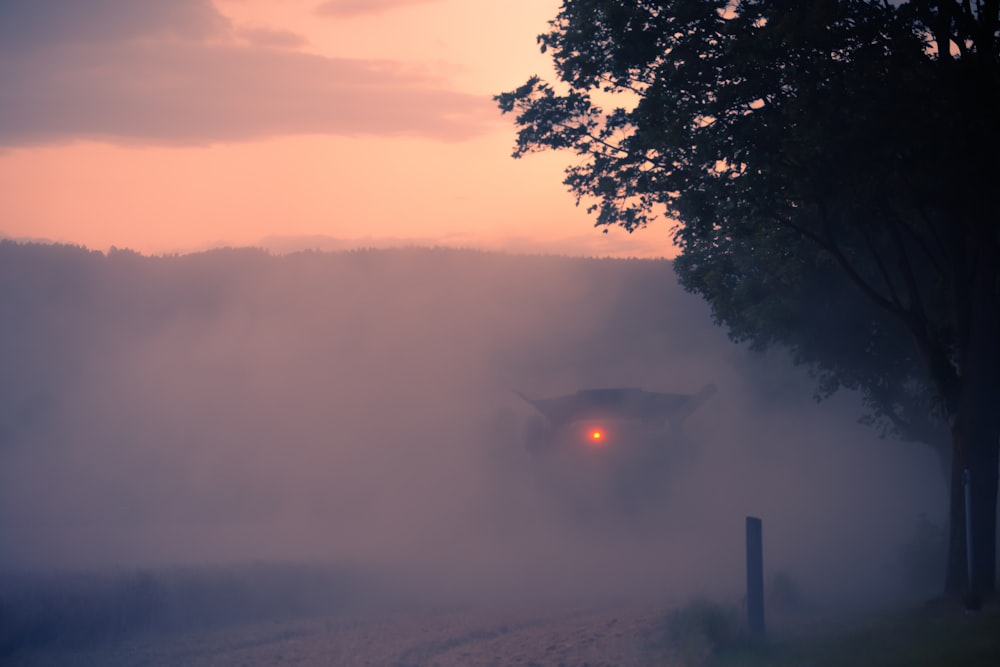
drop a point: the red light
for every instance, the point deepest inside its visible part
(589, 435)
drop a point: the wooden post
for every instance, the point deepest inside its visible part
(755, 576)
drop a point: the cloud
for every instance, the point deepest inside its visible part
(39, 24)
(355, 8)
(180, 74)
(267, 37)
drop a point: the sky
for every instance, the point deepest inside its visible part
(180, 125)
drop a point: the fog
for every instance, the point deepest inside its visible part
(355, 411)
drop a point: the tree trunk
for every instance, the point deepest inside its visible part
(976, 439)
(983, 462)
(956, 579)
(984, 517)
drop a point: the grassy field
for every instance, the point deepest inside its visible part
(921, 638)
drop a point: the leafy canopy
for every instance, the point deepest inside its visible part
(827, 162)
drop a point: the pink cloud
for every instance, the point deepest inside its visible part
(184, 78)
(353, 8)
(269, 38)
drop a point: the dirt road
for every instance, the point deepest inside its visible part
(454, 638)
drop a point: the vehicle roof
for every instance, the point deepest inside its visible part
(629, 403)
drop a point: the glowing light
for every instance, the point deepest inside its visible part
(596, 435)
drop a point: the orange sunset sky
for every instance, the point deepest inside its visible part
(178, 125)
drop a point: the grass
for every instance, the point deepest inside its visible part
(77, 611)
(706, 634)
(692, 635)
(920, 638)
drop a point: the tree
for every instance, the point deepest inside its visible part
(829, 167)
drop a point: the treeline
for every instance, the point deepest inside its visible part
(71, 314)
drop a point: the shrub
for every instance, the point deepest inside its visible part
(698, 631)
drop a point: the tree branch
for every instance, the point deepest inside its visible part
(880, 265)
(909, 279)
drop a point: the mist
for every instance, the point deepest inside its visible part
(355, 411)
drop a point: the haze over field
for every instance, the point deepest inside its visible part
(355, 410)
(323, 410)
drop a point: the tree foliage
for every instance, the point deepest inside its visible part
(829, 166)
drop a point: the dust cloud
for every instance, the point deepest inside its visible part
(355, 411)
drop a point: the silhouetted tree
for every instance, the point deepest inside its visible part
(829, 165)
